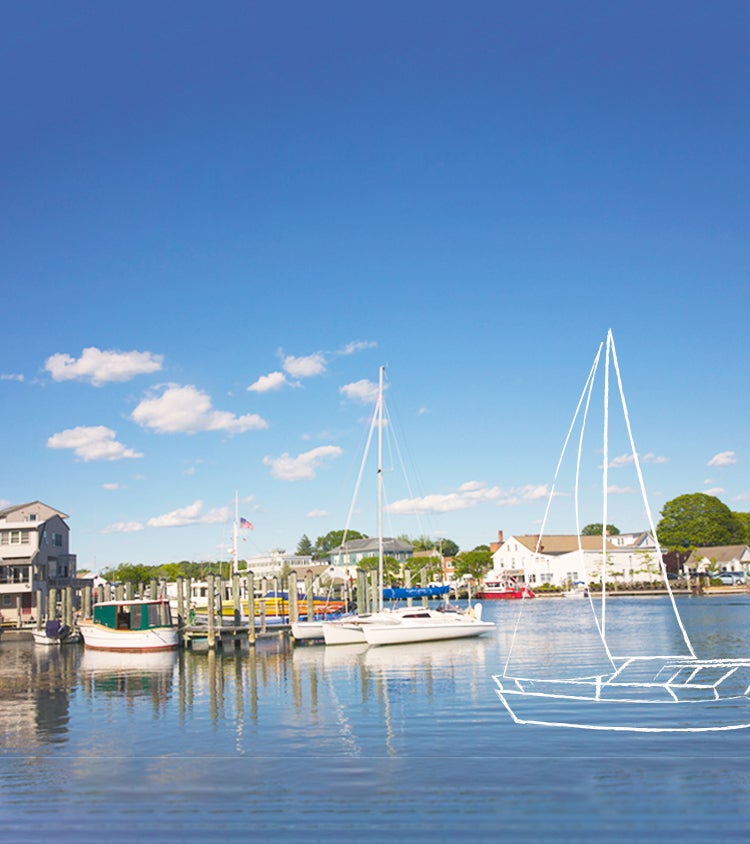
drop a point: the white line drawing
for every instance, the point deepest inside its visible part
(657, 684)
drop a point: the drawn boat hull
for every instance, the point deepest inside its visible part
(629, 715)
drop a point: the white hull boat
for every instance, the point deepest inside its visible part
(55, 634)
(130, 626)
(417, 624)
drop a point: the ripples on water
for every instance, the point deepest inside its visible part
(381, 744)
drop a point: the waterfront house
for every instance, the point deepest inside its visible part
(34, 557)
(558, 562)
(716, 558)
(352, 552)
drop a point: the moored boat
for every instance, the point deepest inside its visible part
(502, 587)
(56, 633)
(135, 625)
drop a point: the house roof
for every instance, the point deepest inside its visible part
(562, 543)
(720, 553)
(8, 511)
(364, 546)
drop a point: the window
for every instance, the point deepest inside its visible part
(24, 537)
(15, 537)
(57, 539)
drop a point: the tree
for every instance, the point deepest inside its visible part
(391, 568)
(696, 520)
(304, 547)
(325, 544)
(596, 530)
(475, 563)
(744, 520)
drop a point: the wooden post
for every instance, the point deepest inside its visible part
(118, 591)
(423, 582)
(86, 610)
(129, 590)
(68, 606)
(19, 612)
(362, 599)
(250, 608)
(236, 598)
(39, 608)
(310, 596)
(154, 590)
(100, 593)
(52, 603)
(180, 600)
(210, 597)
(372, 592)
(407, 584)
(292, 593)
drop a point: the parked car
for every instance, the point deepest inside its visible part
(731, 578)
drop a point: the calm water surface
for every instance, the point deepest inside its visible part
(294, 744)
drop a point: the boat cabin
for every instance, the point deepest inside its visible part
(133, 615)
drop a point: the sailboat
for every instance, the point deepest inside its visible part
(406, 624)
(643, 680)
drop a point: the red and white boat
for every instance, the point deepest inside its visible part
(503, 587)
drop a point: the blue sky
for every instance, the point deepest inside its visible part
(218, 220)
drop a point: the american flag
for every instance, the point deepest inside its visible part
(245, 524)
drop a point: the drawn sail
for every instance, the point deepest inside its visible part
(586, 663)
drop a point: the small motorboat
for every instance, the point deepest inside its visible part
(55, 632)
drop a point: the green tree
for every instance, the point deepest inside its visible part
(305, 547)
(391, 568)
(696, 520)
(744, 520)
(475, 563)
(595, 529)
(325, 544)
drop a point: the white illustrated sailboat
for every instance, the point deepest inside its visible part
(642, 678)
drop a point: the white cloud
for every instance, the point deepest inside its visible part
(358, 346)
(302, 467)
(191, 515)
(187, 410)
(364, 391)
(466, 496)
(92, 443)
(267, 383)
(99, 366)
(12, 377)
(716, 490)
(619, 490)
(110, 487)
(627, 459)
(743, 496)
(723, 458)
(123, 527)
(317, 514)
(304, 367)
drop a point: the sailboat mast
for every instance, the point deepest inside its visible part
(380, 489)
(236, 568)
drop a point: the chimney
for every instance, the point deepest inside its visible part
(494, 546)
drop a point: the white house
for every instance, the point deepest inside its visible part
(34, 555)
(720, 558)
(559, 562)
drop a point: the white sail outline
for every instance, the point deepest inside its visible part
(641, 690)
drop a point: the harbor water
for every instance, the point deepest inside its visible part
(288, 743)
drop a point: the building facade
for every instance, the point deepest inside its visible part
(351, 553)
(34, 557)
(559, 560)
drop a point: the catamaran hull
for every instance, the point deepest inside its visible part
(629, 715)
(343, 633)
(407, 633)
(304, 631)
